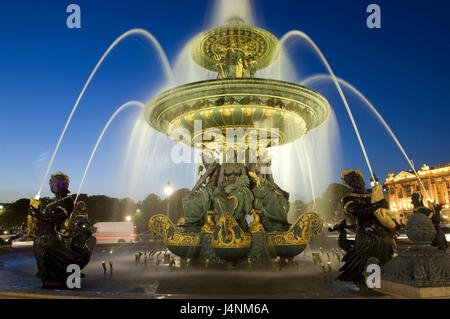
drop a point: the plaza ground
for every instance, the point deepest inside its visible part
(131, 280)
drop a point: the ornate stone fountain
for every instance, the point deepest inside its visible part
(236, 212)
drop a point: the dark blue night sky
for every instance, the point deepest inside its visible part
(402, 68)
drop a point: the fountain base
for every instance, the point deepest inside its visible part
(229, 245)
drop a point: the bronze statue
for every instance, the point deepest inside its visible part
(212, 167)
(434, 214)
(235, 64)
(343, 241)
(373, 239)
(270, 199)
(58, 244)
(197, 203)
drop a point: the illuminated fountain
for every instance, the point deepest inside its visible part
(236, 211)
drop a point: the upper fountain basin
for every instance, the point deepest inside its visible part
(244, 103)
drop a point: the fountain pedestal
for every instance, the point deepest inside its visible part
(421, 271)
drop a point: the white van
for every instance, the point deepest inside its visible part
(114, 232)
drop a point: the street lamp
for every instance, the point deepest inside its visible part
(168, 190)
(128, 218)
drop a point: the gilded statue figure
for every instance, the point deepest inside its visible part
(235, 64)
(373, 233)
(58, 243)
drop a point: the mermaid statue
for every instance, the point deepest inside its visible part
(60, 237)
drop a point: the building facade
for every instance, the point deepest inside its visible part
(399, 188)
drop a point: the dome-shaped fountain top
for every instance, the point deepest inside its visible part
(255, 43)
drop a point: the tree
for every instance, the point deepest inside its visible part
(150, 206)
(175, 204)
(328, 203)
(296, 208)
(103, 208)
(127, 207)
(15, 214)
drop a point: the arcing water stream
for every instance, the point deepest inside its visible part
(119, 110)
(325, 62)
(322, 77)
(166, 66)
(313, 151)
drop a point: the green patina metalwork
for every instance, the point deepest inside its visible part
(239, 103)
(277, 112)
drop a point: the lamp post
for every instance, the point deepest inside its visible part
(168, 190)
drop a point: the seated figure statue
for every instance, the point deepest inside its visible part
(233, 194)
(197, 203)
(236, 199)
(51, 251)
(270, 199)
(235, 64)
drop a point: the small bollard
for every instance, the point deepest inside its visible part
(277, 263)
(324, 271)
(249, 262)
(330, 268)
(158, 261)
(166, 258)
(188, 261)
(316, 258)
(104, 269)
(339, 257)
(111, 269)
(172, 263)
(145, 260)
(206, 263)
(150, 254)
(136, 258)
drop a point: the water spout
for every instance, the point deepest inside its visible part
(325, 62)
(322, 77)
(166, 67)
(120, 109)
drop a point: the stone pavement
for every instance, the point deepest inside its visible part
(130, 280)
